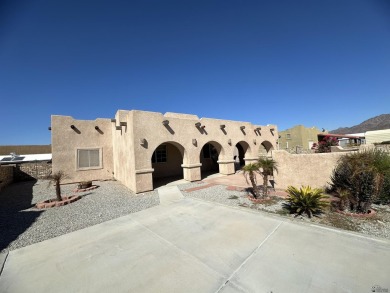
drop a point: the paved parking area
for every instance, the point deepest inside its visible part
(196, 246)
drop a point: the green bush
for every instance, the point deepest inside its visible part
(362, 178)
(305, 200)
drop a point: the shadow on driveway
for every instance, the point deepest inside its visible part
(14, 220)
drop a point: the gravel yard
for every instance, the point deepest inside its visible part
(22, 224)
(378, 225)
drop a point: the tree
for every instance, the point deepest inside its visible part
(268, 167)
(56, 179)
(250, 171)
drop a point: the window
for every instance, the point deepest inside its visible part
(160, 154)
(89, 159)
(288, 136)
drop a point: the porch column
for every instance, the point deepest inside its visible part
(226, 167)
(143, 180)
(250, 160)
(191, 172)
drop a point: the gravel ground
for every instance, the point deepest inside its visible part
(21, 224)
(378, 225)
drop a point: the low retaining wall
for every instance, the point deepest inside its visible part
(304, 169)
(6, 176)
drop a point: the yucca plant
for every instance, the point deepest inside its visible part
(56, 179)
(306, 200)
(250, 171)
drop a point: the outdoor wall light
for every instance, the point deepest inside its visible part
(72, 126)
(194, 142)
(229, 141)
(165, 122)
(142, 141)
(198, 124)
(242, 127)
(254, 141)
(222, 126)
(97, 127)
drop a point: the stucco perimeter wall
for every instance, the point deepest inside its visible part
(66, 141)
(304, 169)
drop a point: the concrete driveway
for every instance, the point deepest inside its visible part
(195, 246)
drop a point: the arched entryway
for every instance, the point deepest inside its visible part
(166, 161)
(239, 154)
(209, 157)
(265, 148)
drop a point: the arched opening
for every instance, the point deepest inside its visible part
(265, 148)
(239, 154)
(166, 161)
(209, 157)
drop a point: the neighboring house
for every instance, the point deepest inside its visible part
(345, 140)
(377, 136)
(298, 136)
(138, 147)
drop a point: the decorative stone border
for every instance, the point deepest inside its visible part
(370, 214)
(86, 189)
(54, 203)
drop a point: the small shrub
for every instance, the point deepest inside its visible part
(305, 200)
(325, 144)
(362, 178)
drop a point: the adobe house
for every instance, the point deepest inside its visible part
(138, 148)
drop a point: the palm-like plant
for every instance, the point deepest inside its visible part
(306, 200)
(268, 166)
(250, 171)
(56, 179)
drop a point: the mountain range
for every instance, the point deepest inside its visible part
(376, 123)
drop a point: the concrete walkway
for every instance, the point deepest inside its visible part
(196, 246)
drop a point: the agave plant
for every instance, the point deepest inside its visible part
(306, 200)
(250, 171)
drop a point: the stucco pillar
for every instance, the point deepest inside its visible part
(226, 167)
(250, 160)
(191, 172)
(143, 180)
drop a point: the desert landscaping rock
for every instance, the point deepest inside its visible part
(22, 224)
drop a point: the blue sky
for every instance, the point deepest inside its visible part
(316, 63)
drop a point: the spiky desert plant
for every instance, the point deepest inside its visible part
(306, 200)
(366, 176)
(268, 166)
(250, 171)
(56, 179)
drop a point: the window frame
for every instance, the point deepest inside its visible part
(156, 159)
(100, 166)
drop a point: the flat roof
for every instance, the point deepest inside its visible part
(9, 159)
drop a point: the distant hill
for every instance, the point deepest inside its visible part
(376, 123)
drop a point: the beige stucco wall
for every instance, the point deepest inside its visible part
(130, 139)
(304, 169)
(65, 142)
